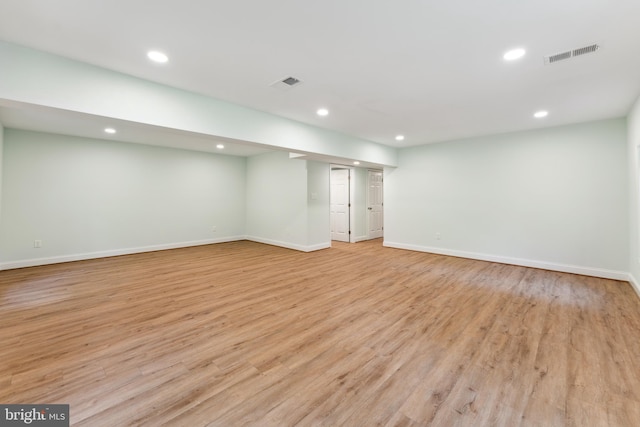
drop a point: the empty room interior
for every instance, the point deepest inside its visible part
(337, 213)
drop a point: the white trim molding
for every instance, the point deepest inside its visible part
(565, 268)
(115, 252)
(634, 284)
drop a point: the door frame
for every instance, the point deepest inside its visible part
(369, 204)
(352, 176)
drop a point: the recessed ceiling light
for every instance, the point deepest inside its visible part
(322, 112)
(157, 56)
(109, 130)
(541, 114)
(400, 138)
(514, 54)
(219, 146)
(356, 162)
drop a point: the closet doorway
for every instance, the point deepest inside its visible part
(356, 204)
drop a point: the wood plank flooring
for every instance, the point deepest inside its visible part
(245, 334)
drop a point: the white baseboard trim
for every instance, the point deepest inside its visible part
(360, 238)
(116, 252)
(634, 284)
(288, 245)
(596, 272)
(565, 268)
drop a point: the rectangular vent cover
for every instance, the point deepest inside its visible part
(286, 83)
(291, 81)
(571, 54)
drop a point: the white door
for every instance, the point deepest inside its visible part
(375, 204)
(339, 204)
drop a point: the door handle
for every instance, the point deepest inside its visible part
(370, 208)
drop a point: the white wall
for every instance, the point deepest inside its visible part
(85, 198)
(553, 198)
(633, 136)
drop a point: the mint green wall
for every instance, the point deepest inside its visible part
(633, 132)
(1, 173)
(318, 219)
(277, 200)
(557, 197)
(85, 196)
(280, 207)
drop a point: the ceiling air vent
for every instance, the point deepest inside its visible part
(286, 83)
(571, 54)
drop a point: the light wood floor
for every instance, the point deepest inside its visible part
(242, 333)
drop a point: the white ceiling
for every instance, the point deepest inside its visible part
(431, 70)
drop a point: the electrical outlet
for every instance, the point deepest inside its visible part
(214, 228)
(37, 243)
(438, 236)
